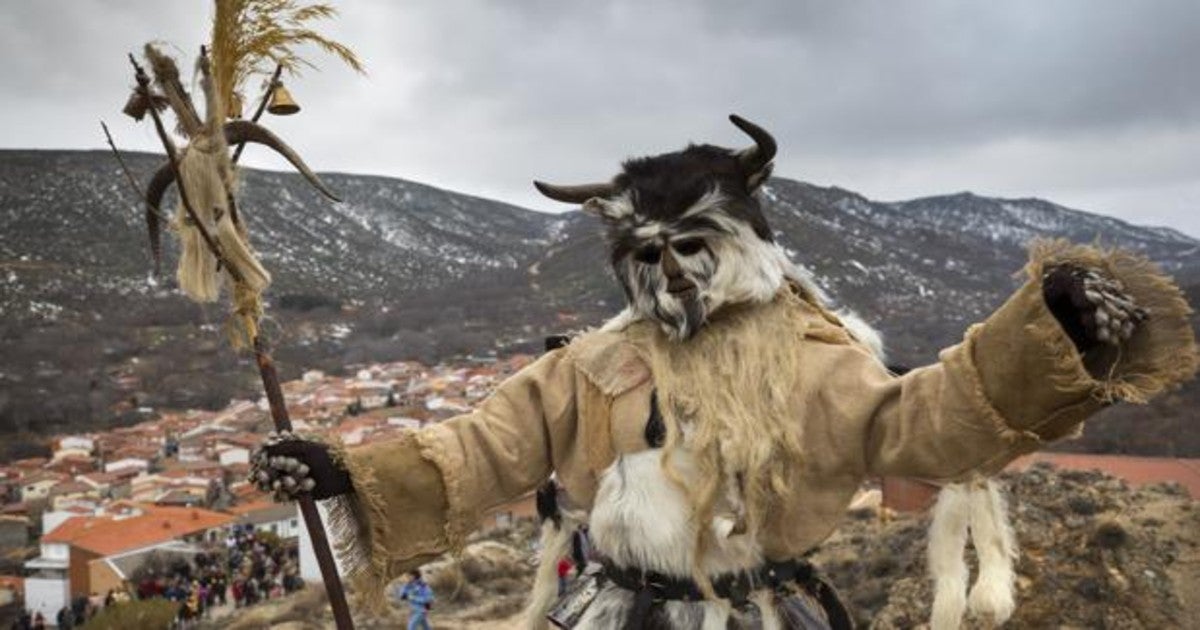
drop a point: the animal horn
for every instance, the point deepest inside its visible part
(754, 158)
(162, 180)
(239, 131)
(575, 194)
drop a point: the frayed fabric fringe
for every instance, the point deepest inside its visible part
(1162, 352)
(360, 526)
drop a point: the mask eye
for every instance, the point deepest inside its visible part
(648, 255)
(688, 247)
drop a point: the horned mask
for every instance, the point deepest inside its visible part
(686, 232)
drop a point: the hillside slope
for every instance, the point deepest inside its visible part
(403, 270)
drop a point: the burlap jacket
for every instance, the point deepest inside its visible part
(1014, 383)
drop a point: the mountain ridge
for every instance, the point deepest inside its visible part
(406, 270)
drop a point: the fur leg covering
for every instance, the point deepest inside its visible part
(995, 544)
(555, 543)
(947, 540)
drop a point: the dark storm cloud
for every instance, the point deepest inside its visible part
(1092, 104)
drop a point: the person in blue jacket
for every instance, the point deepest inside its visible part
(419, 596)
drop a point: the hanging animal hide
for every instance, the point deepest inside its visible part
(206, 177)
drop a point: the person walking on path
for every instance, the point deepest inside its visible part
(419, 596)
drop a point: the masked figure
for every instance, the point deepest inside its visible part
(717, 428)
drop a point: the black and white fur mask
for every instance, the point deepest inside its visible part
(686, 232)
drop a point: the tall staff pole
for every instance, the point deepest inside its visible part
(270, 379)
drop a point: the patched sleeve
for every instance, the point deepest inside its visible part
(1015, 382)
(421, 494)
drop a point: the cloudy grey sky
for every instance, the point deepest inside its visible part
(1094, 104)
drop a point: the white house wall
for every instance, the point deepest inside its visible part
(234, 455)
(56, 551)
(47, 596)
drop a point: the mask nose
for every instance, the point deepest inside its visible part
(676, 282)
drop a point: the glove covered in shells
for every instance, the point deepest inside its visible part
(1093, 309)
(289, 466)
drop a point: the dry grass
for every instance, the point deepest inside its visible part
(251, 36)
(306, 609)
(151, 613)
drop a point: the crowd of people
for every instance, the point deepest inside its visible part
(250, 567)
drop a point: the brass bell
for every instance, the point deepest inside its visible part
(282, 103)
(136, 106)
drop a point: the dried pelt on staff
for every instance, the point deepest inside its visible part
(201, 169)
(208, 178)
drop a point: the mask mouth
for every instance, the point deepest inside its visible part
(683, 291)
(678, 284)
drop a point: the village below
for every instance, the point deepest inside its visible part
(143, 511)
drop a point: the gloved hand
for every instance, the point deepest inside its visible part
(1092, 308)
(289, 466)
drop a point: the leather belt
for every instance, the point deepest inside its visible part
(736, 587)
(650, 587)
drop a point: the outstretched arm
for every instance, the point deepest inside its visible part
(402, 502)
(1088, 328)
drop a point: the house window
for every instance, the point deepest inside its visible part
(295, 524)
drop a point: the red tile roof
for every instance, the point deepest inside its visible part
(107, 535)
(243, 508)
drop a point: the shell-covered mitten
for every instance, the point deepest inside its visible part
(288, 465)
(1092, 308)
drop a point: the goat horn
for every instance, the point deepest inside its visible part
(575, 194)
(236, 132)
(162, 180)
(239, 131)
(754, 158)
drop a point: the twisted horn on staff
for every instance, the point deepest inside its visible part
(237, 132)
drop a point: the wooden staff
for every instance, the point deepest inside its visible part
(270, 381)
